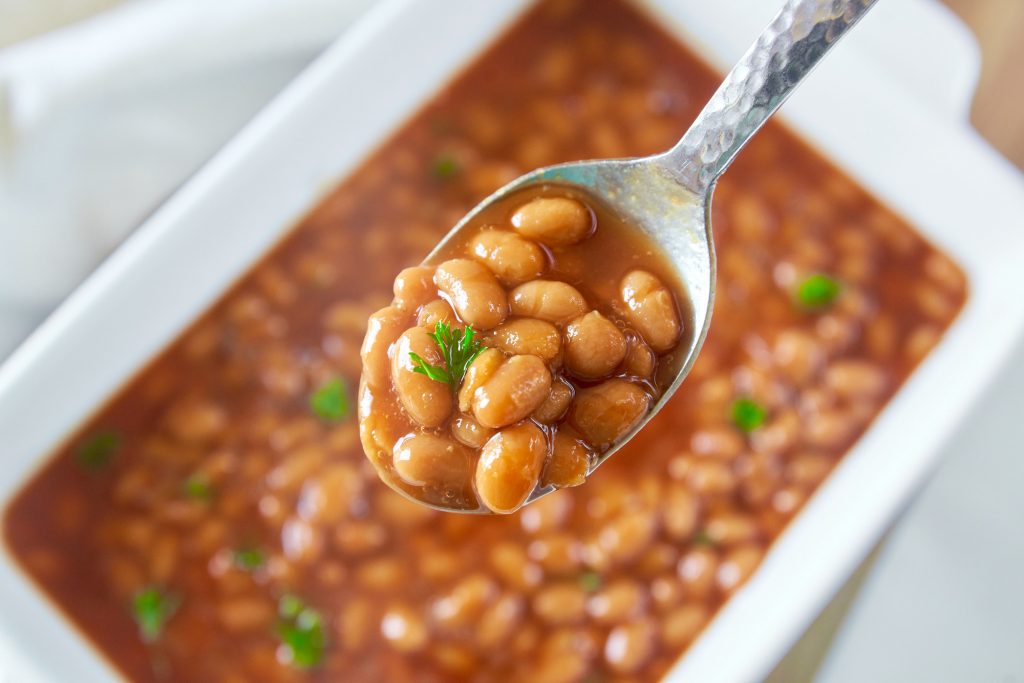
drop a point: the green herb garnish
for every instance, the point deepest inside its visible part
(747, 414)
(458, 349)
(590, 582)
(330, 401)
(151, 608)
(301, 631)
(197, 487)
(248, 559)
(445, 167)
(817, 292)
(95, 453)
(701, 538)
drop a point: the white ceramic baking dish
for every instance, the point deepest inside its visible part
(894, 140)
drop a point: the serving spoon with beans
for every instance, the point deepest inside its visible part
(666, 199)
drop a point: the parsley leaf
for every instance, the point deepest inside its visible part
(817, 292)
(95, 453)
(301, 631)
(701, 538)
(249, 559)
(589, 582)
(151, 608)
(458, 349)
(330, 401)
(445, 167)
(748, 414)
(197, 487)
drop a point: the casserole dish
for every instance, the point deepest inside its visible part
(303, 134)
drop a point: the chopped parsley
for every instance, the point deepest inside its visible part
(817, 292)
(248, 559)
(748, 414)
(197, 487)
(97, 451)
(151, 608)
(445, 167)
(301, 631)
(330, 401)
(589, 581)
(701, 538)
(458, 349)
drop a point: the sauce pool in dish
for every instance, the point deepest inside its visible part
(218, 521)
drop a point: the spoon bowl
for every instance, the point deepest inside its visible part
(668, 196)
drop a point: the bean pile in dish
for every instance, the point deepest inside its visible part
(218, 521)
(528, 347)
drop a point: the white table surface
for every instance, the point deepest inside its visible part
(944, 601)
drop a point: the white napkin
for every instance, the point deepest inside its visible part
(102, 120)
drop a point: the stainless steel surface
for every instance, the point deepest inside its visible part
(668, 196)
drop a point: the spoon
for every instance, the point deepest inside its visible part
(668, 196)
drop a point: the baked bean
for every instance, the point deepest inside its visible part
(630, 646)
(618, 601)
(680, 512)
(498, 622)
(605, 412)
(720, 442)
(737, 566)
(514, 391)
(656, 559)
(628, 535)
(666, 591)
(455, 659)
(404, 629)
(357, 538)
(557, 221)
(808, 469)
(556, 404)
(594, 346)
(528, 336)
(711, 478)
(479, 372)
(697, 570)
(829, 428)
(510, 562)
(680, 626)
(354, 623)
(434, 312)
(427, 401)
(466, 600)
(468, 431)
(560, 667)
(651, 308)
(245, 614)
(513, 260)
(509, 467)
(430, 460)
(414, 287)
(557, 553)
(730, 528)
(550, 300)
(383, 328)
(560, 603)
(639, 361)
(548, 514)
(855, 379)
(798, 355)
(569, 462)
(473, 292)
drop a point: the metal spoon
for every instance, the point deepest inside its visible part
(668, 195)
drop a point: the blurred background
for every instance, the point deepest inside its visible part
(95, 133)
